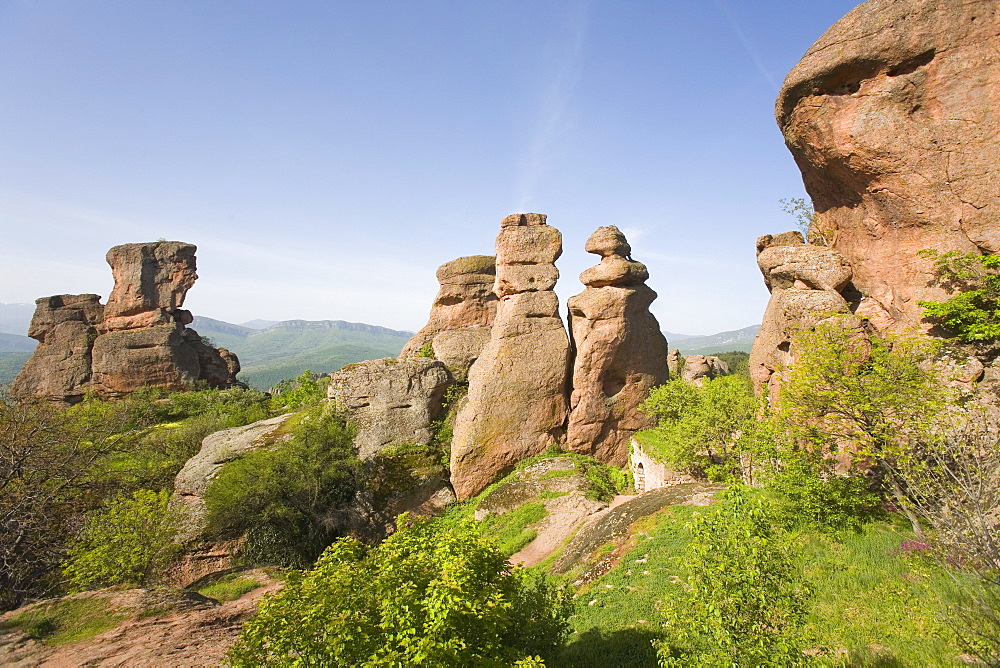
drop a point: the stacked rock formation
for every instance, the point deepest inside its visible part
(699, 368)
(390, 401)
(139, 338)
(892, 118)
(517, 403)
(805, 283)
(461, 316)
(620, 352)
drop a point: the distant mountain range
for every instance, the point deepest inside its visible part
(723, 342)
(271, 351)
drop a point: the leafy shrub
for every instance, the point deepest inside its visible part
(124, 543)
(289, 501)
(744, 597)
(426, 350)
(433, 593)
(308, 389)
(697, 426)
(974, 312)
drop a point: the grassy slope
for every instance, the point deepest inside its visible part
(872, 605)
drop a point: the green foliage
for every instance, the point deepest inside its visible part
(737, 361)
(511, 530)
(805, 219)
(433, 593)
(697, 426)
(308, 389)
(973, 314)
(289, 501)
(124, 543)
(230, 587)
(66, 621)
(427, 350)
(744, 601)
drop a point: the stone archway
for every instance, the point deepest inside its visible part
(640, 478)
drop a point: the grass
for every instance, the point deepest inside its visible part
(66, 620)
(230, 587)
(872, 605)
(512, 530)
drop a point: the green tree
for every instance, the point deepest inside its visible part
(433, 593)
(973, 313)
(697, 427)
(744, 597)
(805, 219)
(308, 389)
(124, 543)
(290, 501)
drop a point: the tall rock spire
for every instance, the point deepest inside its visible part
(620, 351)
(517, 404)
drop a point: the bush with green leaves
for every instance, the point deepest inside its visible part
(308, 389)
(126, 542)
(973, 313)
(289, 501)
(431, 594)
(744, 597)
(697, 426)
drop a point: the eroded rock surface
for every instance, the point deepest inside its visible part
(805, 282)
(390, 401)
(139, 338)
(620, 352)
(461, 316)
(517, 400)
(892, 117)
(698, 368)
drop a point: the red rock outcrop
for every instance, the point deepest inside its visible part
(620, 352)
(462, 314)
(805, 282)
(698, 368)
(892, 117)
(517, 402)
(139, 338)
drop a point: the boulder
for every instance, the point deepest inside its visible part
(620, 351)
(675, 363)
(892, 118)
(193, 480)
(390, 401)
(516, 405)
(60, 368)
(151, 281)
(461, 316)
(698, 368)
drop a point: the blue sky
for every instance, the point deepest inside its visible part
(326, 157)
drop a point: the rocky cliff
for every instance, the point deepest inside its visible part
(892, 118)
(139, 338)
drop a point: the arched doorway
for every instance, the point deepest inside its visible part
(640, 478)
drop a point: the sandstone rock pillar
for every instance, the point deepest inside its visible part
(462, 314)
(620, 352)
(516, 406)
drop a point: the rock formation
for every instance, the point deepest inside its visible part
(139, 338)
(516, 404)
(805, 283)
(390, 401)
(65, 327)
(698, 368)
(620, 352)
(462, 314)
(892, 118)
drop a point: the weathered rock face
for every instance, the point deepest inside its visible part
(462, 314)
(390, 401)
(65, 327)
(516, 404)
(675, 363)
(138, 339)
(620, 352)
(805, 283)
(699, 368)
(892, 117)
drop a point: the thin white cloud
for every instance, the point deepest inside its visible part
(741, 36)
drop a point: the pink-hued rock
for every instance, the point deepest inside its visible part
(620, 352)
(139, 338)
(892, 117)
(462, 314)
(516, 405)
(698, 368)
